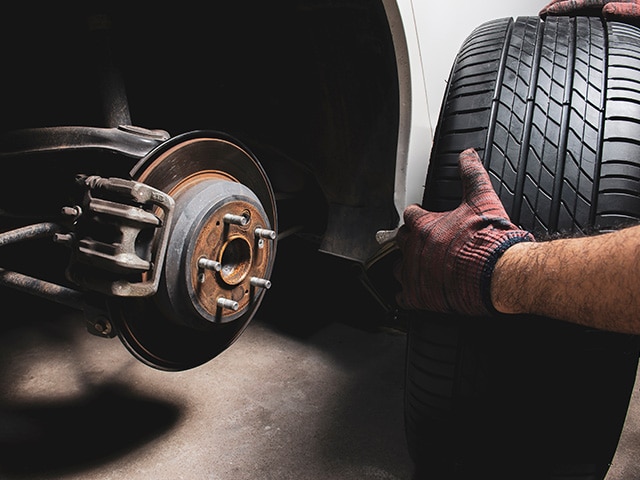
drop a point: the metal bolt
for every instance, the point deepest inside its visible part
(264, 233)
(206, 264)
(241, 220)
(103, 327)
(228, 303)
(260, 282)
(63, 238)
(74, 212)
(71, 211)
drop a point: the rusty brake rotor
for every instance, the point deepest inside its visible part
(220, 254)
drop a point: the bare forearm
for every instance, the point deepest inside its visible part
(593, 281)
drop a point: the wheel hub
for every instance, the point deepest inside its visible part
(217, 254)
(220, 252)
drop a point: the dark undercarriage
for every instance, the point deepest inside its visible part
(285, 114)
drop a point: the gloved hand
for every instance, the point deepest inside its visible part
(623, 9)
(448, 257)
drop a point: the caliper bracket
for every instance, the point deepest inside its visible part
(120, 236)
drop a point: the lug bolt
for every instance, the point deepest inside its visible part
(235, 219)
(228, 303)
(264, 233)
(260, 282)
(206, 264)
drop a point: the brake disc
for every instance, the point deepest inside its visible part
(220, 252)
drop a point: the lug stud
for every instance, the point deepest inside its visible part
(260, 282)
(265, 233)
(228, 303)
(235, 219)
(206, 264)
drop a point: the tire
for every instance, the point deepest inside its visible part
(551, 107)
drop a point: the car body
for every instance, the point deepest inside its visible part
(428, 36)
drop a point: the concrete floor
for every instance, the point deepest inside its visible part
(313, 397)
(273, 406)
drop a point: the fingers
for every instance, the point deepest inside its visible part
(412, 214)
(628, 9)
(570, 6)
(408, 238)
(400, 300)
(416, 219)
(398, 268)
(402, 296)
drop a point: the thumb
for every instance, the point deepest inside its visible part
(475, 179)
(477, 190)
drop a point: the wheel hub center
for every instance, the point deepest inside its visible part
(223, 252)
(235, 260)
(214, 251)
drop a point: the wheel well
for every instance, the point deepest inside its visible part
(310, 86)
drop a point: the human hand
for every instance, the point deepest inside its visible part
(448, 257)
(624, 9)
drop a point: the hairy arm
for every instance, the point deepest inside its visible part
(593, 281)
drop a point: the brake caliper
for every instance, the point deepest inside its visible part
(119, 236)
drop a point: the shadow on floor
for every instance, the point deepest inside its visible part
(67, 435)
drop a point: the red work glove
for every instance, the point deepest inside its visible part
(448, 257)
(623, 9)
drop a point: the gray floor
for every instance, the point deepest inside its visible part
(322, 403)
(273, 406)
